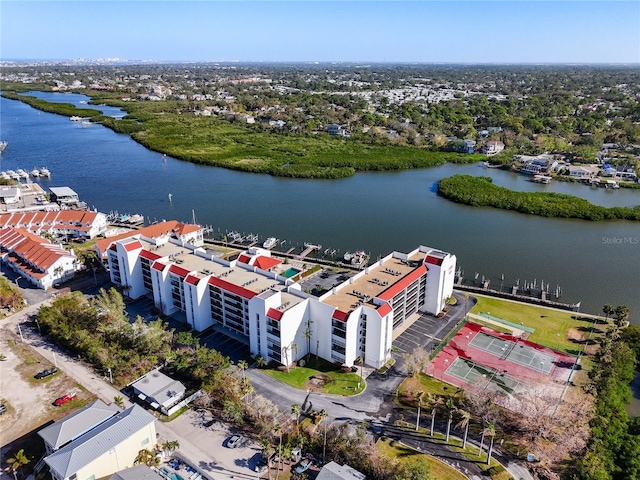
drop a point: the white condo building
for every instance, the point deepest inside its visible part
(253, 298)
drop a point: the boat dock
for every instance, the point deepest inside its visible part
(308, 248)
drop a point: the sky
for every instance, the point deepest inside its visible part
(394, 31)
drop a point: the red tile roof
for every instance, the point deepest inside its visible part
(131, 246)
(152, 231)
(403, 283)
(232, 287)
(340, 315)
(274, 314)
(192, 279)
(34, 253)
(433, 260)
(244, 258)
(265, 263)
(158, 266)
(185, 228)
(183, 272)
(150, 255)
(384, 309)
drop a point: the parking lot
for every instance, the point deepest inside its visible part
(220, 340)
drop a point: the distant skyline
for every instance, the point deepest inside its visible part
(544, 31)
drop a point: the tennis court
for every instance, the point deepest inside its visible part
(475, 374)
(514, 352)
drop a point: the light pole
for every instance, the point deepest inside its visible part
(20, 332)
(110, 375)
(444, 368)
(558, 341)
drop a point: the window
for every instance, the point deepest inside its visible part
(144, 442)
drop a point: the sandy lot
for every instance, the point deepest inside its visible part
(29, 402)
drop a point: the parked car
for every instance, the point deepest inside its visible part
(3, 409)
(64, 399)
(304, 465)
(234, 441)
(45, 373)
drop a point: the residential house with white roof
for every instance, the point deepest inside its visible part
(492, 147)
(110, 447)
(159, 390)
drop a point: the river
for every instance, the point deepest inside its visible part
(594, 263)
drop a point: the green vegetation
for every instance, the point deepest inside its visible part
(548, 322)
(613, 452)
(161, 126)
(481, 192)
(437, 469)
(321, 376)
(10, 296)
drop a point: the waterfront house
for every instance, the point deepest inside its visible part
(266, 308)
(469, 146)
(37, 260)
(492, 147)
(60, 223)
(109, 447)
(583, 171)
(537, 165)
(10, 195)
(63, 195)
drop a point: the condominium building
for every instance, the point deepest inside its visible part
(253, 297)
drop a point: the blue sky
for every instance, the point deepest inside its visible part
(362, 31)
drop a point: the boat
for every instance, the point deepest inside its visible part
(22, 173)
(13, 175)
(4, 176)
(124, 218)
(137, 218)
(3, 145)
(347, 257)
(75, 118)
(35, 172)
(82, 102)
(270, 242)
(44, 172)
(86, 123)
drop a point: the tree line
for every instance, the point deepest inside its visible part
(481, 192)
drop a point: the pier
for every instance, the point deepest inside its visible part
(308, 248)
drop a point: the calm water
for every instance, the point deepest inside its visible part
(377, 212)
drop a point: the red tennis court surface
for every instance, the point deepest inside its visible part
(480, 354)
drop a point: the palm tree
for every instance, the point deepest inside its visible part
(171, 445)
(294, 348)
(278, 430)
(490, 430)
(285, 350)
(608, 310)
(621, 315)
(307, 335)
(19, 459)
(242, 365)
(419, 395)
(464, 423)
(118, 401)
(450, 409)
(435, 403)
(295, 410)
(147, 457)
(260, 361)
(484, 432)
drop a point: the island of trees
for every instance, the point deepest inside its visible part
(481, 192)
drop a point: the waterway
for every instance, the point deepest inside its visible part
(594, 263)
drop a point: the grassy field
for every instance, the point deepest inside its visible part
(321, 377)
(426, 384)
(553, 328)
(168, 127)
(439, 470)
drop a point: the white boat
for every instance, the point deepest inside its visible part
(13, 175)
(22, 173)
(75, 118)
(137, 218)
(86, 123)
(4, 175)
(82, 102)
(270, 242)
(35, 172)
(44, 172)
(3, 145)
(347, 257)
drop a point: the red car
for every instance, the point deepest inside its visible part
(64, 399)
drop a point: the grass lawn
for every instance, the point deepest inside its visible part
(471, 452)
(548, 323)
(326, 378)
(403, 453)
(427, 384)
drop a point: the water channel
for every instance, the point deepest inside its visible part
(594, 263)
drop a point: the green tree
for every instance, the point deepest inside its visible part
(450, 408)
(242, 365)
(490, 431)
(418, 398)
(417, 469)
(465, 418)
(147, 457)
(621, 315)
(17, 460)
(118, 400)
